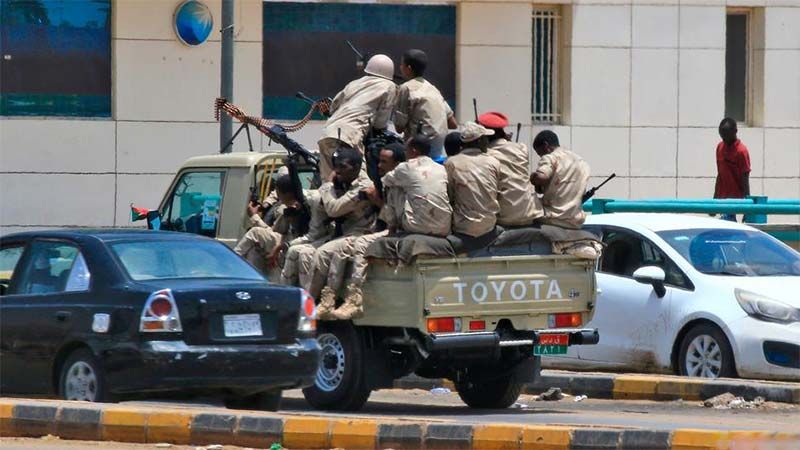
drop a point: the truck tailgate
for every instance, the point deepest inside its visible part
(505, 287)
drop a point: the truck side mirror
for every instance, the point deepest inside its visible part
(654, 276)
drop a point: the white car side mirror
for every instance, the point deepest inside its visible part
(654, 276)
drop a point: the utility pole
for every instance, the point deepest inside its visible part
(226, 74)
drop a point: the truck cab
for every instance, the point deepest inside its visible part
(482, 320)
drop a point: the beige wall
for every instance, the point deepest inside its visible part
(646, 82)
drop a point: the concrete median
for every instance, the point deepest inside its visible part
(639, 387)
(202, 426)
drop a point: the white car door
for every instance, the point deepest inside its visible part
(632, 319)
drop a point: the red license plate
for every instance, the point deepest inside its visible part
(553, 339)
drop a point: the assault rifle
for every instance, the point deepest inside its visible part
(363, 57)
(590, 193)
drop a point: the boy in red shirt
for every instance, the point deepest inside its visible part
(733, 165)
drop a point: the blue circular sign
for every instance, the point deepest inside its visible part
(193, 22)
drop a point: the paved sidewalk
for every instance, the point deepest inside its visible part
(640, 387)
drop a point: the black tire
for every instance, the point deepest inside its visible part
(263, 401)
(340, 382)
(86, 378)
(496, 394)
(715, 337)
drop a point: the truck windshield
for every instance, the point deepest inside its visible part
(734, 252)
(157, 260)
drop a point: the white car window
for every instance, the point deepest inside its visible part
(627, 251)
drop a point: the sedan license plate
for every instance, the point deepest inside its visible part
(238, 325)
(551, 344)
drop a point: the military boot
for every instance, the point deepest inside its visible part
(353, 306)
(327, 304)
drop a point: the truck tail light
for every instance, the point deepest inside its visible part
(477, 325)
(444, 325)
(308, 312)
(564, 320)
(160, 314)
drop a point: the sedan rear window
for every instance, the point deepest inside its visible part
(734, 252)
(157, 260)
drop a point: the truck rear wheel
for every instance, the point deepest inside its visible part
(495, 394)
(340, 382)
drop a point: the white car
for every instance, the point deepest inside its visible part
(695, 296)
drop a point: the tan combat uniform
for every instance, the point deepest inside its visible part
(421, 106)
(369, 99)
(298, 263)
(568, 176)
(519, 204)
(261, 239)
(423, 205)
(357, 218)
(472, 182)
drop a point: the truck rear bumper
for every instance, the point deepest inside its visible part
(493, 339)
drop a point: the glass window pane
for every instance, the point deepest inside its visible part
(195, 203)
(736, 67)
(181, 259)
(9, 257)
(305, 47)
(55, 58)
(47, 268)
(79, 276)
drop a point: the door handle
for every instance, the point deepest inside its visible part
(62, 316)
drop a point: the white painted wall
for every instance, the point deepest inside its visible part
(646, 81)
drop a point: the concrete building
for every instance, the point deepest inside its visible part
(638, 87)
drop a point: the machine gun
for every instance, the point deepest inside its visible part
(278, 133)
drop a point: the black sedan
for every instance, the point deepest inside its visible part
(96, 314)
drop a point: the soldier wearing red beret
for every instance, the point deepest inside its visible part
(519, 204)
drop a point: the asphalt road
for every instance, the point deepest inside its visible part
(424, 406)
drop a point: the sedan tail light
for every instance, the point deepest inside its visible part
(160, 314)
(308, 312)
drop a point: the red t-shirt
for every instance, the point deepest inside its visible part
(733, 162)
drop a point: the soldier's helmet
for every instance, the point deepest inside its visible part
(380, 66)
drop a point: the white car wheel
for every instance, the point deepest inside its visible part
(703, 358)
(706, 353)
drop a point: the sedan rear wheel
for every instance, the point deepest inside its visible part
(82, 378)
(706, 353)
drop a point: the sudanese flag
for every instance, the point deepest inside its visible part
(138, 213)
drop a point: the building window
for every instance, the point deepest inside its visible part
(737, 65)
(55, 58)
(305, 47)
(547, 93)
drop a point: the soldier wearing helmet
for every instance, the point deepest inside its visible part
(365, 102)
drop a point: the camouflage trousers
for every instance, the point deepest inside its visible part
(298, 264)
(331, 261)
(256, 245)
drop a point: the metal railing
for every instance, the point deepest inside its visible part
(755, 208)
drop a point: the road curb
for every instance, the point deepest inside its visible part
(76, 420)
(638, 387)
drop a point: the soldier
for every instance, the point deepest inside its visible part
(421, 109)
(472, 183)
(299, 259)
(519, 204)
(561, 177)
(390, 157)
(262, 242)
(365, 102)
(422, 204)
(342, 199)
